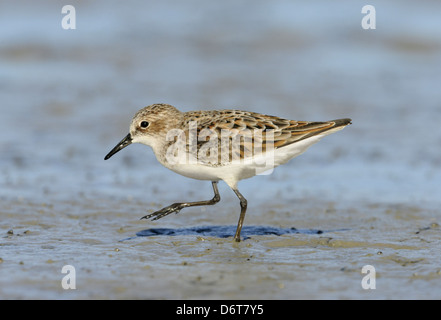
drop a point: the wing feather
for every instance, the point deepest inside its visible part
(237, 134)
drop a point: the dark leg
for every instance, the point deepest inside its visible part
(176, 207)
(243, 209)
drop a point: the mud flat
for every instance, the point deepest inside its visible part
(119, 258)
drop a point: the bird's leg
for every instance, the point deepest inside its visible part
(176, 207)
(243, 209)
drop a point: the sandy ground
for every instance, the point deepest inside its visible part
(365, 196)
(112, 260)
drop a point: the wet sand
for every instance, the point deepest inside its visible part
(367, 195)
(116, 256)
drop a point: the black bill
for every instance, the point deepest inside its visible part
(121, 145)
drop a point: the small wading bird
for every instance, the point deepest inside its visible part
(228, 145)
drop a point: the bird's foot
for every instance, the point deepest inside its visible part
(174, 208)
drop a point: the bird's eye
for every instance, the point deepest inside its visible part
(144, 124)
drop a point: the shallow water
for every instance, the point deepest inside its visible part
(367, 195)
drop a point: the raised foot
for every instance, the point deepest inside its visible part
(174, 208)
